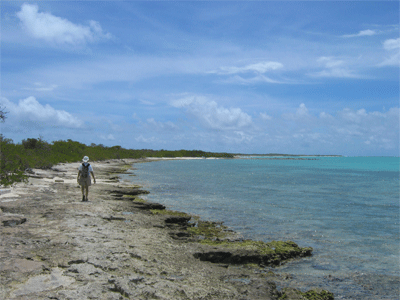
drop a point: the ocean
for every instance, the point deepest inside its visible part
(346, 208)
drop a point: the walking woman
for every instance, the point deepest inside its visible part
(84, 180)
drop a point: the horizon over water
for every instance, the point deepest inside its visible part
(346, 208)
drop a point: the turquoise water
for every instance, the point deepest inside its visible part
(346, 208)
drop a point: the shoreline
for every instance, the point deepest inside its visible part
(115, 246)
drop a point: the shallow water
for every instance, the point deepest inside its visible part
(346, 208)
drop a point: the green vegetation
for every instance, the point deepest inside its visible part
(134, 198)
(272, 253)
(209, 231)
(37, 153)
(317, 294)
(11, 164)
(280, 249)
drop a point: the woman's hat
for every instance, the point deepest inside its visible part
(85, 159)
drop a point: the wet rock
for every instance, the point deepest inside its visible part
(252, 252)
(148, 205)
(180, 220)
(130, 192)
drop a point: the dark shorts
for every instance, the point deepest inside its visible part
(85, 181)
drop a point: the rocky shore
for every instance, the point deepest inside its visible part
(118, 246)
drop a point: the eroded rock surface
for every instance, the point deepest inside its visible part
(53, 246)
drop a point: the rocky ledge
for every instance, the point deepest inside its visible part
(119, 246)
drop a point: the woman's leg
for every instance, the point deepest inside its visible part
(87, 191)
(83, 192)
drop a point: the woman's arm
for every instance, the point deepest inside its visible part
(94, 179)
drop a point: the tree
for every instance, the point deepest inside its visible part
(2, 114)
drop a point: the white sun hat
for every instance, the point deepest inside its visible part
(85, 159)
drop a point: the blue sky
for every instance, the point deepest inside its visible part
(244, 77)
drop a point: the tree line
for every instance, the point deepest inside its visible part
(31, 153)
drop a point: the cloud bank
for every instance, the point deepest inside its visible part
(342, 130)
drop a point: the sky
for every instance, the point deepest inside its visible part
(293, 77)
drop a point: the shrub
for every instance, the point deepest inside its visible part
(12, 164)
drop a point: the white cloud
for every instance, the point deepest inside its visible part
(145, 102)
(142, 139)
(392, 46)
(213, 116)
(108, 137)
(237, 137)
(376, 129)
(367, 32)
(265, 117)
(30, 109)
(250, 74)
(260, 68)
(302, 110)
(325, 116)
(333, 67)
(301, 114)
(252, 80)
(39, 87)
(343, 132)
(352, 116)
(347, 131)
(381, 129)
(52, 29)
(330, 62)
(160, 126)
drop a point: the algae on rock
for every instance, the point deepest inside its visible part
(316, 294)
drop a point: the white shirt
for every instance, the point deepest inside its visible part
(90, 167)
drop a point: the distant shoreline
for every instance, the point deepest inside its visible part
(286, 155)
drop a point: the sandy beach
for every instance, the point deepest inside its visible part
(54, 246)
